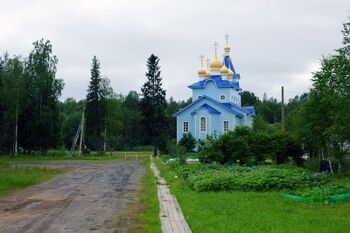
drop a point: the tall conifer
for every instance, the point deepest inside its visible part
(153, 102)
(95, 108)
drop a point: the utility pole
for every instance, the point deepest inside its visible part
(282, 110)
(105, 138)
(16, 128)
(82, 130)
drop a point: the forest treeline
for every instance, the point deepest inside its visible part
(33, 118)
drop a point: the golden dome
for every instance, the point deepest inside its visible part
(202, 71)
(227, 48)
(207, 73)
(215, 64)
(224, 70)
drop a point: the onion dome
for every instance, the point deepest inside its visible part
(215, 64)
(227, 48)
(202, 71)
(224, 70)
(207, 73)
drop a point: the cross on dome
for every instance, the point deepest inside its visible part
(215, 47)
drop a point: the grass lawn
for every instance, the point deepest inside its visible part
(254, 211)
(149, 216)
(60, 156)
(14, 177)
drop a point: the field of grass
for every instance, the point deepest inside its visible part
(14, 177)
(64, 156)
(254, 211)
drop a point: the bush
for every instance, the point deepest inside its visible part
(247, 145)
(210, 151)
(176, 151)
(188, 141)
(214, 177)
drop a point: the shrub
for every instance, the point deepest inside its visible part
(247, 145)
(188, 141)
(176, 151)
(210, 151)
(214, 177)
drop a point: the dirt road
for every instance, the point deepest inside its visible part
(90, 198)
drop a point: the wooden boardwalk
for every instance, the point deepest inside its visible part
(171, 216)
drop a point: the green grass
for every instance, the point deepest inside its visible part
(149, 217)
(254, 211)
(15, 177)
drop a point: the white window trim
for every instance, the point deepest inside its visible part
(200, 124)
(223, 126)
(183, 127)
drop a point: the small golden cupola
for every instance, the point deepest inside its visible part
(215, 64)
(224, 70)
(201, 71)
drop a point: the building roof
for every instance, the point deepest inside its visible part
(234, 108)
(207, 107)
(228, 63)
(219, 82)
(250, 109)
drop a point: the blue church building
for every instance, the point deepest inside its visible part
(216, 101)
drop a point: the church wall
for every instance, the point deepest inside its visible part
(214, 121)
(212, 91)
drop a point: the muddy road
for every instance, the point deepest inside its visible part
(91, 197)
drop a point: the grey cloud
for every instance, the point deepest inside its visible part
(273, 42)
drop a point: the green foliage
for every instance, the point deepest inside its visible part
(247, 145)
(209, 151)
(95, 108)
(177, 151)
(13, 177)
(248, 99)
(254, 211)
(153, 102)
(213, 177)
(188, 141)
(40, 121)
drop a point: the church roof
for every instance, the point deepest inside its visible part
(228, 63)
(219, 82)
(207, 107)
(250, 109)
(234, 108)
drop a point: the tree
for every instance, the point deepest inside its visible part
(153, 102)
(132, 132)
(249, 99)
(95, 108)
(11, 89)
(326, 115)
(71, 111)
(40, 120)
(188, 141)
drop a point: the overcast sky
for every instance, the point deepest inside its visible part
(273, 43)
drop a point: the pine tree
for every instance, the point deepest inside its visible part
(95, 108)
(153, 102)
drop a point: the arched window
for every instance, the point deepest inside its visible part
(203, 124)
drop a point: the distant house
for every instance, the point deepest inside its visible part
(216, 101)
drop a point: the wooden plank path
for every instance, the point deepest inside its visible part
(171, 216)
